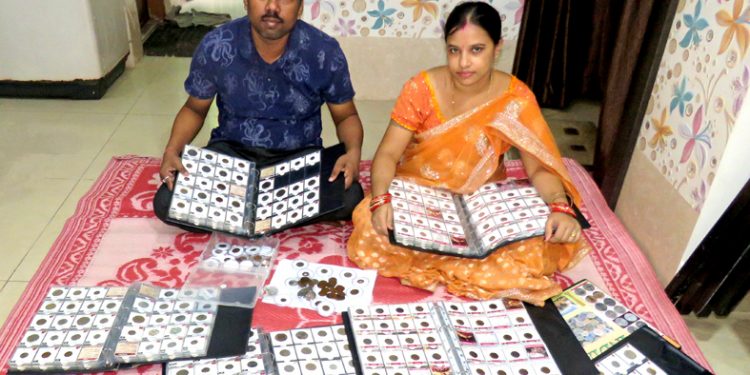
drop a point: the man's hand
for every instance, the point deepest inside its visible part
(170, 165)
(349, 164)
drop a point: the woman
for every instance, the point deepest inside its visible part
(450, 127)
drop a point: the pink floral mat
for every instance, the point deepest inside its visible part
(114, 239)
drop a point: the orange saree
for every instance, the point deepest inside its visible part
(461, 154)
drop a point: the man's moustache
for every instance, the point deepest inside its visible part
(271, 17)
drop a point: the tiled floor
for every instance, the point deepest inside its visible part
(53, 150)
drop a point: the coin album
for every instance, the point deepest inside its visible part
(101, 328)
(321, 350)
(615, 338)
(237, 196)
(487, 337)
(469, 225)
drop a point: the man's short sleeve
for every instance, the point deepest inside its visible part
(340, 89)
(200, 81)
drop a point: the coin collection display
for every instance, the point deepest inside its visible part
(628, 360)
(233, 195)
(253, 258)
(487, 337)
(325, 288)
(94, 328)
(257, 360)
(160, 327)
(71, 330)
(313, 351)
(471, 225)
(597, 320)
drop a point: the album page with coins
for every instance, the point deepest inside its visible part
(469, 225)
(96, 328)
(487, 337)
(604, 326)
(237, 196)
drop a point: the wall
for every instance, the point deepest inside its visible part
(385, 41)
(687, 129)
(60, 40)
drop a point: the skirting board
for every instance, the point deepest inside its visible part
(76, 89)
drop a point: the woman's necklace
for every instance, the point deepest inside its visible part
(453, 90)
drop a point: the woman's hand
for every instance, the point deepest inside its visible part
(562, 228)
(382, 219)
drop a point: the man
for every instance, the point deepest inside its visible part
(270, 74)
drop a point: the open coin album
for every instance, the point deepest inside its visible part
(488, 337)
(160, 326)
(604, 327)
(94, 328)
(471, 225)
(645, 352)
(237, 196)
(317, 351)
(256, 360)
(313, 351)
(325, 288)
(597, 320)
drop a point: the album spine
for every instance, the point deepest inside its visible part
(475, 244)
(121, 321)
(452, 346)
(251, 199)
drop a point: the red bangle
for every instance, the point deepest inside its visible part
(379, 200)
(562, 208)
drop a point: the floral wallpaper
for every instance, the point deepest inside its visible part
(398, 18)
(703, 78)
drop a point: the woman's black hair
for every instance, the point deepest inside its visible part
(477, 13)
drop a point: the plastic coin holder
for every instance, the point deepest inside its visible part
(220, 201)
(199, 211)
(297, 163)
(206, 169)
(236, 204)
(149, 350)
(225, 161)
(68, 355)
(91, 306)
(280, 207)
(203, 183)
(77, 293)
(296, 201)
(239, 178)
(223, 174)
(62, 322)
(138, 319)
(296, 188)
(71, 307)
(310, 210)
(76, 337)
(220, 187)
(45, 357)
(104, 321)
(278, 221)
(312, 183)
(185, 180)
(96, 338)
(190, 166)
(266, 185)
(313, 158)
(265, 198)
(143, 305)
(282, 168)
(186, 193)
(209, 156)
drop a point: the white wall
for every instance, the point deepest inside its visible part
(731, 176)
(60, 40)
